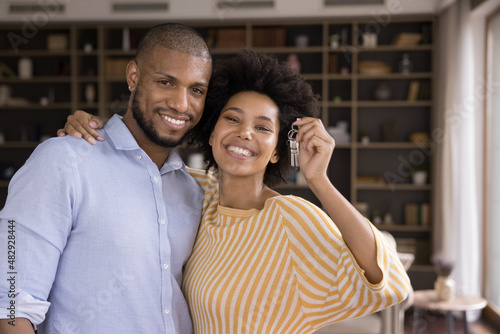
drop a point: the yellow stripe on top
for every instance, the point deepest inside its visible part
(282, 269)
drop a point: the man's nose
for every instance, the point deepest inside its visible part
(178, 100)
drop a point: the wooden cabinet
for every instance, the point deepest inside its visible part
(355, 65)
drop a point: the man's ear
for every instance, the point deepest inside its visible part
(133, 75)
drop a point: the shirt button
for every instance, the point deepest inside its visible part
(156, 179)
(165, 266)
(162, 221)
(166, 310)
(139, 157)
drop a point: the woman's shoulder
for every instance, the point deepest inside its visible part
(294, 203)
(207, 180)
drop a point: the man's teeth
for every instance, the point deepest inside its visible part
(239, 151)
(173, 121)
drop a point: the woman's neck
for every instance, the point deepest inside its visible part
(243, 193)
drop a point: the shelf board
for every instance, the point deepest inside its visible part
(44, 79)
(389, 76)
(401, 103)
(392, 186)
(88, 78)
(291, 186)
(389, 145)
(120, 53)
(289, 49)
(19, 144)
(312, 76)
(403, 228)
(343, 104)
(34, 53)
(338, 76)
(32, 106)
(116, 79)
(392, 48)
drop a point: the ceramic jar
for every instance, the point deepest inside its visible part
(445, 288)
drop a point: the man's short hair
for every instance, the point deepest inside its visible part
(174, 36)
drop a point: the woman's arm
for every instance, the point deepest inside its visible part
(82, 125)
(316, 149)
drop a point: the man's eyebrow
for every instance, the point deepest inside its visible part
(239, 110)
(174, 79)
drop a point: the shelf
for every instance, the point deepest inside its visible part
(34, 53)
(19, 144)
(393, 48)
(292, 186)
(402, 103)
(393, 186)
(389, 145)
(36, 106)
(48, 79)
(321, 66)
(389, 76)
(403, 228)
(290, 49)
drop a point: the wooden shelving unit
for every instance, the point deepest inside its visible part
(347, 95)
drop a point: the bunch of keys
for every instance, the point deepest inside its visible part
(294, 147)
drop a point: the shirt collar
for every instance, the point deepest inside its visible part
(122, 139)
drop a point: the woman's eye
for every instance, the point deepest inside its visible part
(264, 128)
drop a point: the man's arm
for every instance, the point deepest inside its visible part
(19, 326)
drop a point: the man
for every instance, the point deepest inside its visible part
(107, 230)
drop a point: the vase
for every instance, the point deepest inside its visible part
(419, 177)
(90, 93)
(445, 288)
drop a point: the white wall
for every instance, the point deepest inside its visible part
(189, 10)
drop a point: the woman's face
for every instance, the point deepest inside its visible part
(246, 134)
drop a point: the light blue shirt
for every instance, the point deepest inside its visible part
(104, 232)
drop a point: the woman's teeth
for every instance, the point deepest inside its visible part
(239, 151)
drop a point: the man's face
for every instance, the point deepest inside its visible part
(169, 90)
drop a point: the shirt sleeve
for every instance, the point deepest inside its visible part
(36, 222)
(332, 285)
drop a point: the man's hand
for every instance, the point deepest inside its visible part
(22, 326)
(82, 125)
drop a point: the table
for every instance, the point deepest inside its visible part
(426, 299)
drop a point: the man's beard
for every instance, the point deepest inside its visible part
(149, 129)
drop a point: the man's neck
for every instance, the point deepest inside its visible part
(156, 153)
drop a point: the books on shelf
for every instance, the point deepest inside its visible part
(269, 37)
(417, 214)
(231, 37)
(413, 90)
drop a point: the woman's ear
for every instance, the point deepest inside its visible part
(210, 140)
(275, 157)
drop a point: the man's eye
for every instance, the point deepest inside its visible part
(164, 82)
(198, 91)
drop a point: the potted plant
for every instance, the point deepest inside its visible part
(419, 174)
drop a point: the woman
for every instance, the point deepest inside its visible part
(268, 263)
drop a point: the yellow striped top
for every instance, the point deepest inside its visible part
(282, 269)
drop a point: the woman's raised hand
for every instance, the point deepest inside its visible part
(82, 125)
(316, 148)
